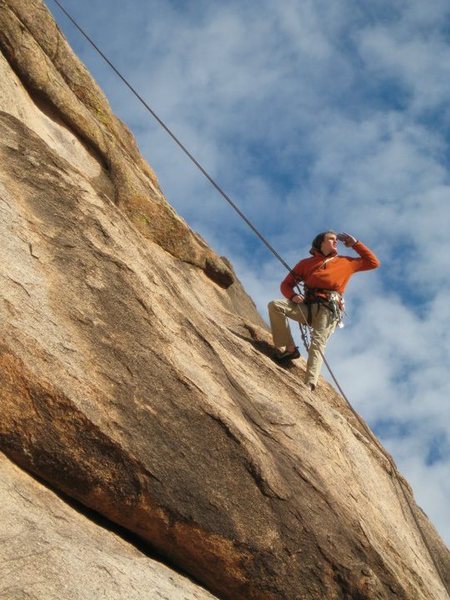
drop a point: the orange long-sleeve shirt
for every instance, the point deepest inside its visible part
(333, 275)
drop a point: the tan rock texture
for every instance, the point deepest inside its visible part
(61, 87)
(50, 551)
(139, 384)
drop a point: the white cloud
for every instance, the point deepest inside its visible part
(415, 54)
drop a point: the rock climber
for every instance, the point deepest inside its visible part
(325, 275)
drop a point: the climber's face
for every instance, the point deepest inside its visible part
(329, 244)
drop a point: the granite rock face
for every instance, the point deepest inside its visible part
(105, 151)
(50, 551)
(134, 374)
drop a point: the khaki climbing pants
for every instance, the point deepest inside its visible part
(323, 324)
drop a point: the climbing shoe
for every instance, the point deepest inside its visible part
(286, 355)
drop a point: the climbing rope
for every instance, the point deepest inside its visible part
(303, 327)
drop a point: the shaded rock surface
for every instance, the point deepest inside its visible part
(135, 378)
(50, 551)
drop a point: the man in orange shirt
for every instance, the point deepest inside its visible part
(325, 275)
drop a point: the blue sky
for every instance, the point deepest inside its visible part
(312, 115)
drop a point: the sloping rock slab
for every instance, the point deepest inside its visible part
(49, 551)
(60, 85)
(134, 383)
(128, 383)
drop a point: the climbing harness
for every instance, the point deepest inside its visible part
(303, 326)
(330, 299)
